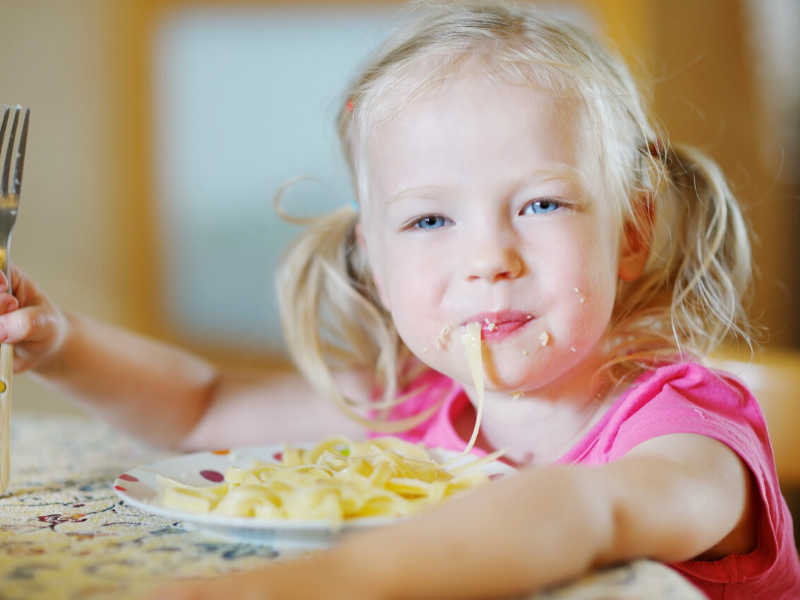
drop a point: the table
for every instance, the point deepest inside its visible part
(64, 534)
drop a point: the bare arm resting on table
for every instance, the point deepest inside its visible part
(670, 499)
(158, 392)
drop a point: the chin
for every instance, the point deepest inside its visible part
(528, 374)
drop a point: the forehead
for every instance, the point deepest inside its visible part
(473, 125)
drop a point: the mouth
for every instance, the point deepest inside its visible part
(501, 324)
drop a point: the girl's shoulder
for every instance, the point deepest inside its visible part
(688, 397)
(684, 397)
(676, 386)
(693, 398)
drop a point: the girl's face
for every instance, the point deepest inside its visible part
(487, 203)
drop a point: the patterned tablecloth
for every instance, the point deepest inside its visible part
(64, 534)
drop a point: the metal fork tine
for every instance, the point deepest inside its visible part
(2, 138)
(23, 142)
(3, 128)
(7, 165)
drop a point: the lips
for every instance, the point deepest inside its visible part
(497, 325)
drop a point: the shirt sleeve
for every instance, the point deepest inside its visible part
(688, 398)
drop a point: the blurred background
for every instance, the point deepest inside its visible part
(161, 129)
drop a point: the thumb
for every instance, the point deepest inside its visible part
(29, 324)
(34, 332)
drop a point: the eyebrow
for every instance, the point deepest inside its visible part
(562, 172)
(417, 191)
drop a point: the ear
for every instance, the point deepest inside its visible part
(637, 239)
(376, 278)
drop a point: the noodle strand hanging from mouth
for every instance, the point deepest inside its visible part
(472, 342)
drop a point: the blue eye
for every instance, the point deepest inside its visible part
(540, 207)
(430, 222)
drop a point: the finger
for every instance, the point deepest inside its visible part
(16, 274)
(25, 289)
(8, 303)
(28, 354)
(28, 324)
(23, 359)
(21, 364)
(21, 284)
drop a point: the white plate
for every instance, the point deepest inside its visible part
(138, 487)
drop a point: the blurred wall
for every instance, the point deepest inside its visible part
(85, 229)
(713, 91)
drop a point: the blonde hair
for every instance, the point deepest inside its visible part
(690, 295)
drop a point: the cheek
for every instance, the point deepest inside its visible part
(423, 305)
(412, 297)
(590, 319)
(404, 279)
(587, 292)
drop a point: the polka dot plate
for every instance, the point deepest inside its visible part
(138, 488)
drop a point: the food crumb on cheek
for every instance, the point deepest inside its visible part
(443, 340)
(574, 349)
(583, 300)
(516, 396)
(524, 353)
(545, 338)
(424, 350)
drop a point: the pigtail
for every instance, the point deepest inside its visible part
(712, 254)
(332, 318)
(691, 295)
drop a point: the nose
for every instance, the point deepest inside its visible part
(494, 257)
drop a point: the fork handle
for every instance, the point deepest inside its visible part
(6, 368)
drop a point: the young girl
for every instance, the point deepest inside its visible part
(506, 174)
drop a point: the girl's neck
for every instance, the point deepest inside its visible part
(539, 427)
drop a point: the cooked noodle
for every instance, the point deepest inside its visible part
(338, 479)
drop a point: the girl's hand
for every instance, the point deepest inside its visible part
(30, 321)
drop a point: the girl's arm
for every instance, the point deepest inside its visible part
(670, 499)
(158, 392)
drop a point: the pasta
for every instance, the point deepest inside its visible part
(339, 480)
(336, 480)
(472, 342)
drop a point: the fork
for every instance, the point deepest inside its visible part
(9, 204)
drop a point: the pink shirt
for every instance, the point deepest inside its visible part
(681, 398)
